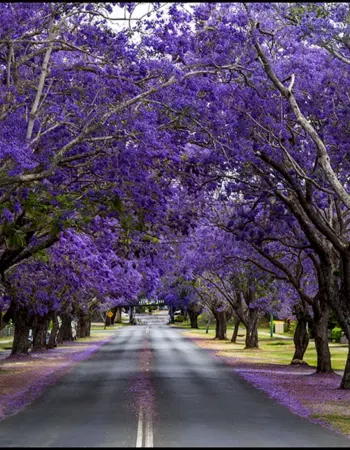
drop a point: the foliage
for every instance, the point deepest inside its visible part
(200, 156)
(336, 334)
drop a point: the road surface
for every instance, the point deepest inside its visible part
(149, 386)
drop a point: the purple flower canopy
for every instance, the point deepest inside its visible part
(200, 155)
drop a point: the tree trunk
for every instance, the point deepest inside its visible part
(20, 344)
(208, 325)
(88, 326)
(337, 295)
(84, 324)
(81, 327)
(39, 327)
(53, 335)
(321, 317)
(235, 331)
(221, 325)
(114, 311)
(251, 337)
(301, 340)
(65, 331)
(187, 313)
(132, 320)
(171, 314)
(193, 318)
(118, 317)
(107, 321)
(345, 382)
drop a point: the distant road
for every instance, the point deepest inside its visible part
(149, 386)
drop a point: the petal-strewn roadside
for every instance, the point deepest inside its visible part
(23, 379)
(315, 397)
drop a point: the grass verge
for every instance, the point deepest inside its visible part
(22, 379)
(268, 369)
(275, 350)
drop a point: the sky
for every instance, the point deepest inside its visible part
(140, 11)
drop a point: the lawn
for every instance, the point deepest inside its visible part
(96, 326)
(24, 379)
(273, 350)
(316, 396)
(6, 343)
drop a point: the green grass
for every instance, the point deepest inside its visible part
(273, 350)
(101, 326)
(188, 325)
(337, 420)
(5, 347)
(5, 344)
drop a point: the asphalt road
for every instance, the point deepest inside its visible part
(151, 387)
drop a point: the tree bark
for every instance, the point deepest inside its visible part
(88, 326)
(247, 315)
(235, 331)
(39, 327)
(251, 337)
(208, 325)
(301, 339)
(118, 316)
(65, 331)
(187, 313)
(345, 382)
(84, 323)
(221, 325)
(193, 315)
(53, 335)
(321, 316)
(132, 320)
(81, 327)
(107, 321)
(20, 344)
(171, 314)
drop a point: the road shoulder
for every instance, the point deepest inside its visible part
(316, 397)
(23, 379)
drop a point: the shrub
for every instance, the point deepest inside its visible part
(336, 334)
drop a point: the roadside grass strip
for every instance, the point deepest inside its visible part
(316, 397)
(23, 379)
